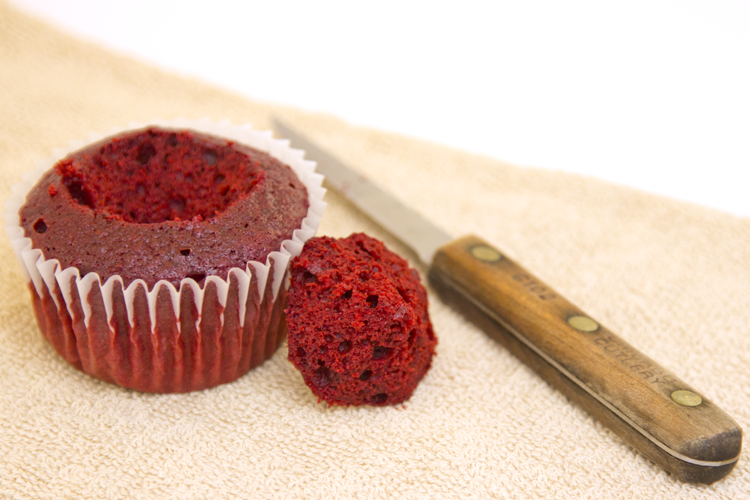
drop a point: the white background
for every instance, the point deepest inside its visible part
(652, 94)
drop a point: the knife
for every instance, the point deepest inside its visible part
(647, 406)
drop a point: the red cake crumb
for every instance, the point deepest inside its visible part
(359, 331)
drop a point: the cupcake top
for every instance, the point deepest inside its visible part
(358, 321)
(161, 204)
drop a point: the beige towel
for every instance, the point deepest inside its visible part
(670, 277)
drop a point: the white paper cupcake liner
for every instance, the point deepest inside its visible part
(166, 339)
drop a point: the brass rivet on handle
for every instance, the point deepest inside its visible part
(686, 398)
(583, 324)
(485, 253)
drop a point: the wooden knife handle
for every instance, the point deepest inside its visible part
(650, 408)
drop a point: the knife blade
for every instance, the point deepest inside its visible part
(652, 410)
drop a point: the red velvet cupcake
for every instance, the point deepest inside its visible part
(156, 258)
(359, 330)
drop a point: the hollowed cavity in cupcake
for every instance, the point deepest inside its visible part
(157, 175)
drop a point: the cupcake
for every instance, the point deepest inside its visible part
(359, 329)
(157, 257)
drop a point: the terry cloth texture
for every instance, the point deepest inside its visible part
(670, 277)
